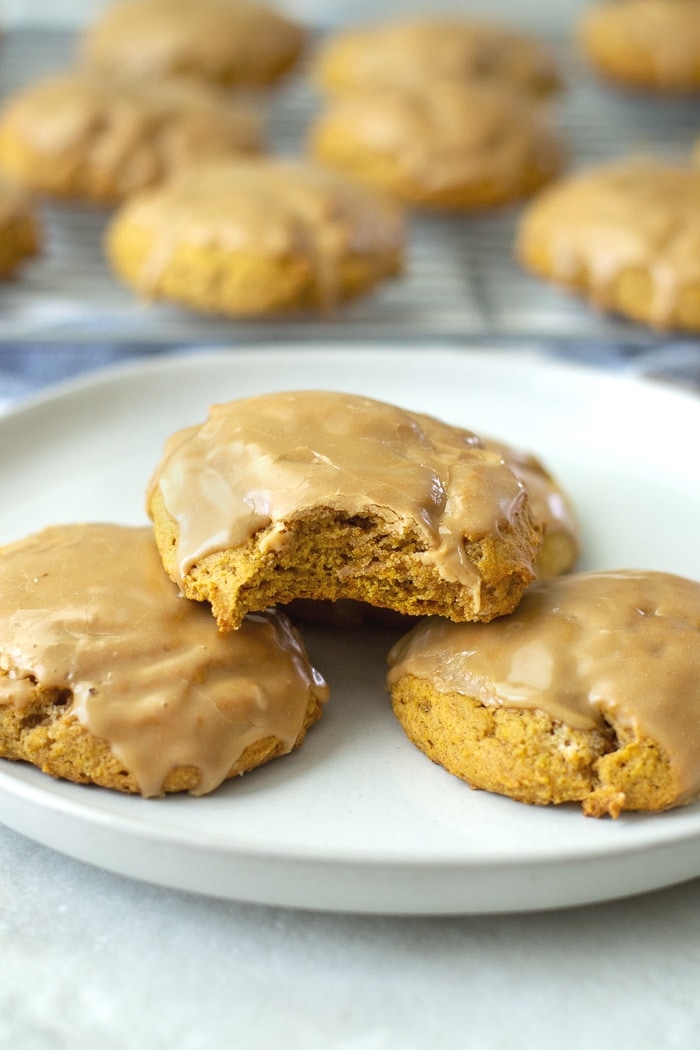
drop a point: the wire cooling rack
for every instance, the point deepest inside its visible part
(462, 281)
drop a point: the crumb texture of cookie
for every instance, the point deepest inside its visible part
(100, 137)
(441, 144)
(323, 495)
(256, 237)
(231, 42)
(20, 228)
(401, 52)
(652, 45)
(109, 677)
(625, 236)
(589, 692)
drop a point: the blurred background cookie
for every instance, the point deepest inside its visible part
(443, 144)
(625, 235)
(227, 41)
(256, 237)
(649, 44)
(403, 52)
(99, 137)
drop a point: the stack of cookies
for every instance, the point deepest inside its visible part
(571, 687)
(161, 659)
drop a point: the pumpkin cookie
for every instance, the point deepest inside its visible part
(108, 677)
(99, 137)
(648, 44)
(589, 692)
(245, 238)
(404, 52)
(20, 228)
(626, 236)
(323, 495)
(441, 145)
(231, 42)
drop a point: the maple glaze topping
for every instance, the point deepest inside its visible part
(262, 460)
(635, 214)
(621, 646)
(233, 41)
(89, 609)
(399, 52)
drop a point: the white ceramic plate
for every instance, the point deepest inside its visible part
(358, 819)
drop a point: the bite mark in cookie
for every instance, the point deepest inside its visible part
(324, 495)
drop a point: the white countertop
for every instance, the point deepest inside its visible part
(92, 960)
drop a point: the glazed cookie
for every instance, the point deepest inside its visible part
(407, 51)
(232, 42)
(322, 495)
(100, 137)
(648, 44)
(442, 144)
(245, 238)
(108, 677)
(20, 228)
(589, 692)
(626, 236)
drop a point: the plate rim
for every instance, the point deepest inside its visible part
(155, 363)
